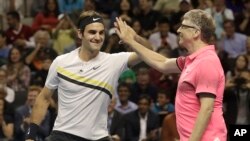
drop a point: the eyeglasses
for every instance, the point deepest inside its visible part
(184, 26)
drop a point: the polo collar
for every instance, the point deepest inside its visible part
(200, 51)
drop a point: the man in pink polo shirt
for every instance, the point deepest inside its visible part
(199, 115)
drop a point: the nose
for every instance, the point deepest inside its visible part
(178, 30)
(97, 36)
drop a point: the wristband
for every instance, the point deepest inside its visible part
(32, 131)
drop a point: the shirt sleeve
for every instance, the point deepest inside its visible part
(207, 78)
(52, 79)
(180, 61)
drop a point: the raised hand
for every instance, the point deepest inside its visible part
(124, 31)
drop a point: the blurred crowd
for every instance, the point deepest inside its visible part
(34, 32)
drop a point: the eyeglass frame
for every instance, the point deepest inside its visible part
(184, 26)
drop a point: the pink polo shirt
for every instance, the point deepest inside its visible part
(201, 72)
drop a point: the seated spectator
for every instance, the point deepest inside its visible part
(4, 48)
(17, 34)
(220, 13)
(22, 117)
(40, 76)
(163, 38)
(241, 64)
(70, 6)
(10, 93)
(143, 85)
(163, 106)
(43, 49)
(125, 12)
(115, 122)
(47, 19)
(142, 124)
(237, 101)
(113, 45)
(18, 74)
(124, 105)
(128, 77)
(6, 117)
(64, 34)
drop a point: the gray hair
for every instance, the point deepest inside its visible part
(204, 21)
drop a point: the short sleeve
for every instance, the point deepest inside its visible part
(180, 61)
(207, 78)
(52, 79)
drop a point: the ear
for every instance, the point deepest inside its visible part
(197, 33)
(79, 33)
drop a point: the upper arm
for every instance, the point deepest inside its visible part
(133, 59)
(170, 66)
(207, 101)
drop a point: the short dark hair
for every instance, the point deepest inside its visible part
(14, 14)
(145, 96)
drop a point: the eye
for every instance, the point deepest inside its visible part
(92, 32)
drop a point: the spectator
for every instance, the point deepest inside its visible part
(43, 49)
(47, 19)
(64, 34)
(4, 48)
(142, 124)
(18, 74)
(22, 117)
(10, 93)
(124, 105)
(220, 13)
(6, 117)
(17, 34)
(163, 38)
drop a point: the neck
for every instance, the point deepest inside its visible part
(124, 103)
(17, 26)
(195, 46)
(87, 55)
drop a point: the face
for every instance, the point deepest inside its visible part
(15, 55)
(32, 97)
(89, 5)
(137, 27)
(162, 99)
(65, 24)
(164, 28)
(143, 106)
(46, 64)
(51, 5)
(186, 32)
(123, 93)
(125, 5)
(229, 29)
(93, 37)
(241, 62)
(11, 21)
(42, 39)
(143, 77)
(144, 4)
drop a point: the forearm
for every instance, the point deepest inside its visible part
(31, 56)
(143, 42)
(201, 124)
(243, 25)
(39, 110)
(152, 58)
